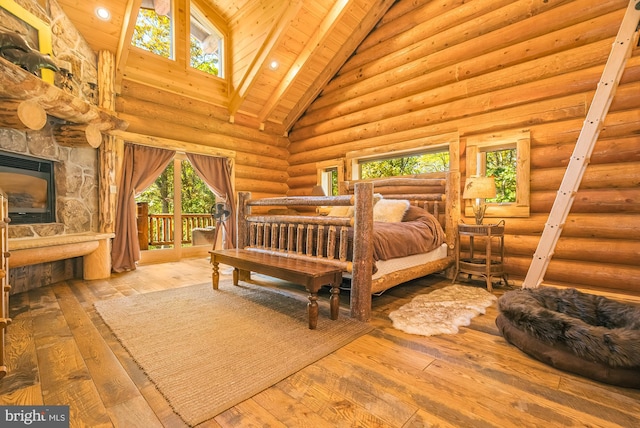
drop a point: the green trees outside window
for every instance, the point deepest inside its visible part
(153, 33)
(197, 198)
(407, 165)
(502, 165)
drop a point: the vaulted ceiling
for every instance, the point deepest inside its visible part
(310, 39)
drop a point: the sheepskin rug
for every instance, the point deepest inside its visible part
(442, 311)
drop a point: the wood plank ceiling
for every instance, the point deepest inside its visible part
(311, 39)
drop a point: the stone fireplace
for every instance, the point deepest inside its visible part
(29, 185)
(76, 208)
(76, 241)
(75, 186)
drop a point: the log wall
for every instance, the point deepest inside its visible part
(431, 68)
(261, 157)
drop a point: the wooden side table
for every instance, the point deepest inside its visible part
(492, 264)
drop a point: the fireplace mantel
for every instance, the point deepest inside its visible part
(19, 85)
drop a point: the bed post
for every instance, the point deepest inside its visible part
(362, 252)
(452, 210)
(452, 202)
(241, 219)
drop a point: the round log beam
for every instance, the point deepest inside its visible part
(22, 115)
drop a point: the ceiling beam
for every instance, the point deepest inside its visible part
(279, 28)
(124, 43)
(375, 12)
(313, 45)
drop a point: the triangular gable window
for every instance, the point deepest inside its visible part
(153, 28)
(206, 44)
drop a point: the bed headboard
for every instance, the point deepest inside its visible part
(428, 191)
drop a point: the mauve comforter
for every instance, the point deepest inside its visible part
(419, 232)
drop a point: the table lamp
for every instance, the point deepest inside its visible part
(479, 188)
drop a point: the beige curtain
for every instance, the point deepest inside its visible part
(141, 166)
(216, 172)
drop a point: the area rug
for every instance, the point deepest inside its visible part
(208, 350)
(442, 311)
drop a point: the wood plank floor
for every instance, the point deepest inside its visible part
(60, 352)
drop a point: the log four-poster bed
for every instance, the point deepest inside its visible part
(361, 248)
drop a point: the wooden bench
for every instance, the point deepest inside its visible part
(312, 275)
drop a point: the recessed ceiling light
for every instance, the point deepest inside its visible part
(103, 13)
(274, 65)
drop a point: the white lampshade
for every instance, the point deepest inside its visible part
(479, 187)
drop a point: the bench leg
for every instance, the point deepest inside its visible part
(244, 275)
(235, 276)
(334, 302)
(215, 276)
(312, 308)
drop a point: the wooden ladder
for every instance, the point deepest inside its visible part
(621, 50)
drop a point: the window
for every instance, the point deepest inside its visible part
(330, 173)
(412, 163)
(421, 155)
(330, 181)
(206, 45)
(502, 165)
(505, 156)
(153, 28)
(159, 30)
(177, 197)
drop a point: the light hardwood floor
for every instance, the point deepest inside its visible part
(60, 352)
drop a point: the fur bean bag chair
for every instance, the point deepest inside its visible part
(589, 335)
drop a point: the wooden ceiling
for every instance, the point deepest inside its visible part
(311, 39)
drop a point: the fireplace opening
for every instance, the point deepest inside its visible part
(30, 188)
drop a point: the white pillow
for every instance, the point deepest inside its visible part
(390, 210)
(348, 210)
(340, 211)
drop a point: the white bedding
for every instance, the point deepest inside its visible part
(387, 266)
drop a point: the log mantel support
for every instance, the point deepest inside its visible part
(72, 135)
(22, 115)
(94, 248)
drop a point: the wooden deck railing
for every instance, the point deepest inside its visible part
(158, 229)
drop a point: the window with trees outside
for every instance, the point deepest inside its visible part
(406, 164)
(501, 164)
(154, 32)
(206, 45)
(193, 195)
(505, 156)
(330, 173)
